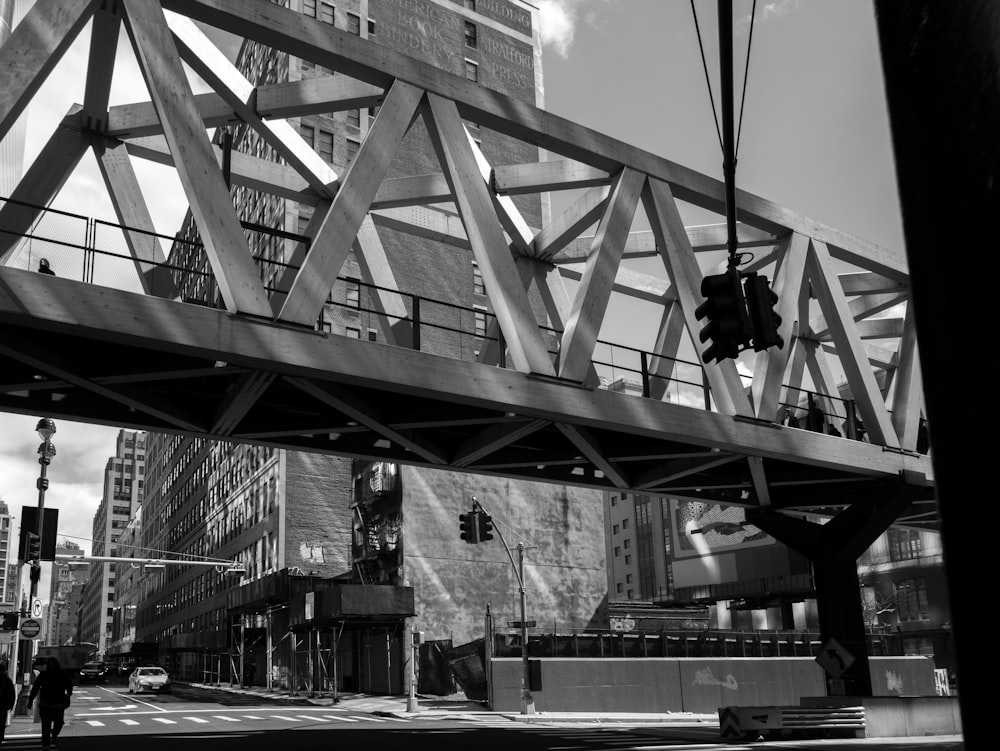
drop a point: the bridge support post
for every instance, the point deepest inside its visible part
(833, 550)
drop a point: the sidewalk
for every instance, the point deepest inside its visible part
(457, 707)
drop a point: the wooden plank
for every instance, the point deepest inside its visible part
(578, 216)
(132, 212)
(680, 468)
(665, 348)
(286, 277)
(682, 269)
(539, 177)
(209, 62)
(42, 181)
(315, 96)
(907, 395)
(356, 408)
(853, 360)
(140, 119)
(758, 477)
(493, 439)
(203, 185)
(860, 308)
(376, 270)
(348, 209)
(503, 286)
(372, 63)
(770, 365)
(409, 191)
(100, 65)
(591, 301)
(867, 283)
(876, 328)
(642, 243)
(246, 391)
(32, 50)
(594, 452)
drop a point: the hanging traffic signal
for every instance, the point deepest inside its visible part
(10, 622)
(33, 547)
(761, 300)
(469, 524)
(485, 527)
(728, 325)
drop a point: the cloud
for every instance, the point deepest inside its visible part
(560, 18)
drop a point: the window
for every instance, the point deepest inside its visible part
(628, 560)
(480, 322)
(478, 287)
(354, 118)
(614, 500)
(628, 544)
(372, 335)
(470, 4)
(309, 8)
(624, 523)
(371, 28)
(352, 149)
(353, 294)
(308, 134)
(904, 544)
(618, 588)
(471, 71)
(911, 600)
(324, 146)
(615, 529)
(618, 551)
(628, 578)
(471, 36)
(326, 13)
(354, 24)
(372, 112)
(352, 332)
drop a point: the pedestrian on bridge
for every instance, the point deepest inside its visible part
(44, 268)
(53, 687)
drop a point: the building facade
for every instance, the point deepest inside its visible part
(124, 480)
(62, 616)
(346, 555)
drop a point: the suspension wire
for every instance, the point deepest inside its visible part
(746, 73)
(708, 80)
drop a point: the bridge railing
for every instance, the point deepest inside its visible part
(95, 251)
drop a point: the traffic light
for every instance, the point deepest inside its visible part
(33, 547)
(10, 622)
(761, 300)
(485, 527)
(728, 324)
(469, 524)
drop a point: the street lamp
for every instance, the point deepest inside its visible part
(46, 428)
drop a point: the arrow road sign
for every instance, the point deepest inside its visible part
(834, 658)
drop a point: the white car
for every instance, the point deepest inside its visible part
(149, 679)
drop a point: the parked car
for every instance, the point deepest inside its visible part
(94, 672)
(149, 679)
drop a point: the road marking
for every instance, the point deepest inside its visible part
(313, 717)
(252, 717)
(95, 723)
(394, 719)
(342, 719)
(164, 720)
(196, 719)
(128, 722)
(373, 719)
(223, 717)
(285, 717)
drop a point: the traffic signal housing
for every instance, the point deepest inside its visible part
(728, 325)
(485, 527)
(10, 622)
(32, 547)
(761, 300)
(469, 526)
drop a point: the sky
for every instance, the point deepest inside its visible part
(814, 138)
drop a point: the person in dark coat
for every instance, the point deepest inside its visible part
(53, 687)
(8, 697)
(44, 268)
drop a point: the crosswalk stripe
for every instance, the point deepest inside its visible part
(95, 723)
(128, 722)
(285, 717)
(313, 717)
(223, 717)
(196, 719)
(374, 719)
(252, 717)
(164, 720)
(394, 719)
(342, 719)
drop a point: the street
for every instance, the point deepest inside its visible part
(203, 718)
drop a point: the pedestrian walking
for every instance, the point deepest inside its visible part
(44, 268)
(8, 697)
(53, 687)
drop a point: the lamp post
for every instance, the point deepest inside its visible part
(46, 428)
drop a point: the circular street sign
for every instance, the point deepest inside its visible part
(36, 608)
(30, 628)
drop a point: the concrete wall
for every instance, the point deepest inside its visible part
(687, 684)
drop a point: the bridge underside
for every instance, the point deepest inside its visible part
(92, 354)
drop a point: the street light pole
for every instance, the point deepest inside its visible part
(46, 428)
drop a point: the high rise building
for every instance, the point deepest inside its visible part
(8, 556)
(346, 554)
(12, 145)
(61, 616)
(124, 478)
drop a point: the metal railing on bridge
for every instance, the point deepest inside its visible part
(95, 251)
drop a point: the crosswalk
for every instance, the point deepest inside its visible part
(289, 717)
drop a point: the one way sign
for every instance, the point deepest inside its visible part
(834, 658)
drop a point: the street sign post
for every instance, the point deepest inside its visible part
(834, 658)
(30, 628)
(36, 607)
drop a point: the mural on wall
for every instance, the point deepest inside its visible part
(711, 528)
(377, 539)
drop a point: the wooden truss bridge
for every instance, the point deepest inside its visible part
(259, 370)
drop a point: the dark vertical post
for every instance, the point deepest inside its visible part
(416, 323)
(940, 62)
(728, 131)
